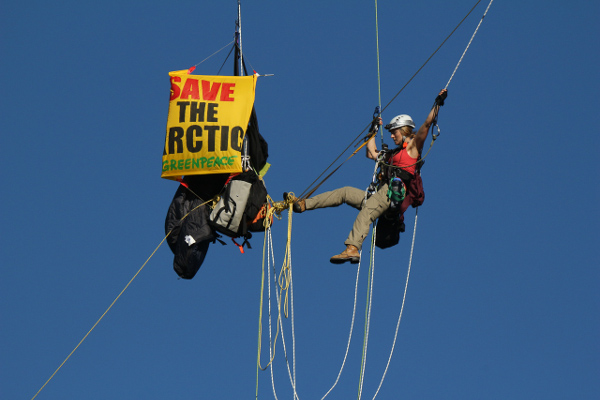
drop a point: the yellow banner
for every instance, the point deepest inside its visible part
(208, 117)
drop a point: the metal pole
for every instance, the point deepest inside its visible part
(240, 36)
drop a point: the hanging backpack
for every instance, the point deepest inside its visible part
(388, 230)
(242, 199)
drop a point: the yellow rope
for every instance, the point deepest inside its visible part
(285, 274)
(275, 209)
(114, 301)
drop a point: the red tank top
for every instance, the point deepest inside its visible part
(403, 160)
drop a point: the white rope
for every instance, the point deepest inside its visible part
(402, 307)
(351, 330)
(292, 321)
(280, 323)
(278, 296)
(368, 318)
(270, 257)
(227, 45)
(468, 45)
(271, 268)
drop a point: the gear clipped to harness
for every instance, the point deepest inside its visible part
(396, 193)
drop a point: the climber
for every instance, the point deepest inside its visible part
(402, 163)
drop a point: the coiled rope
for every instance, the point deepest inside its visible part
(277, 207)
(285, 284)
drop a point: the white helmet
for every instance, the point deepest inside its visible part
(399, 121)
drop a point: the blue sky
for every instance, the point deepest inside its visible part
(503, 297)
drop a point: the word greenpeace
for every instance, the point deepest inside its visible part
(194, 163)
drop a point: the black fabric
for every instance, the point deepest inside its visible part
(206, 186)
(257, 202)
(258, 149)
(188, 258)
(388, 230)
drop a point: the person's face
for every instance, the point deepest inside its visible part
(396, 136)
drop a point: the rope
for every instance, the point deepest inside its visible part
(402, 307)
(350, 335)
(378, 69)
(294, 384)
(468, 45)
(367, 314)
(431, 56)
(285, 276)
(272, 266)
(114, 301)
(305, 195)
(266, 248)
(272, 343)
(285, 283)
(371, 268)
(277, 207)
(292, 378)
(215, 53)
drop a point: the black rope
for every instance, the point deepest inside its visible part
(226, 58)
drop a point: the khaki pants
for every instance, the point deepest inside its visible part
(369, 210)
